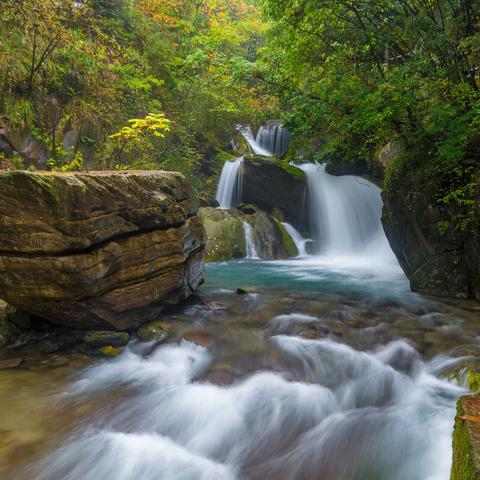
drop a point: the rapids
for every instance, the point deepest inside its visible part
(325, 371)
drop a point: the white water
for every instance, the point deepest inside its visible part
(254, 146)
(345, 215)
(250, 241)
(229, 191)
(273, 138)
(348, 415)
(297, 238)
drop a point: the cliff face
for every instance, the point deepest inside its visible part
(98, 250)
(437, 252)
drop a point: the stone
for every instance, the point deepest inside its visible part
(391, 152)
(271, 183)
(226, 235)
(8, 331)
(109, 351)
(247, 208)
(437, 255)
(200, 338)
(466, 440)
(10, 363)
(154, 331)
(99, 250)
(98, 338)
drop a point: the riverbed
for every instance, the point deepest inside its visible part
(319, 368)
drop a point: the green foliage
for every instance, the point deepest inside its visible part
(90, 66)
(352, 76)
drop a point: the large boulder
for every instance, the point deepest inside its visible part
(226, 235)
(271, 183)
(436, 244)
(103, 250)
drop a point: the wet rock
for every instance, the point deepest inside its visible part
(438, 254)
(270, 183)
(219, 376)
(154, 331)
(247, 208)
(8, 332)
(200, 338)
(103, 250)
(110, 351)
(241, 291)
(226, 235)
(98, 338)
(10, 363)
(466, 440)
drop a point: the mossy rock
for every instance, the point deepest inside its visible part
(99, 338)
(466, 440)
(225, 234)
(287, 241)
(110, 351)
(154, 331)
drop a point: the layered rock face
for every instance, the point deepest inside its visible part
(271, 183)
(438, 256)
(98, 250)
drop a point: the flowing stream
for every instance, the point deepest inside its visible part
(326, 368)
(324, 371)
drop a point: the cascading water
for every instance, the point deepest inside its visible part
(273, 138)
(297, 238)
(345, 214)
(250, 241)
(229, 191)
(253, 145)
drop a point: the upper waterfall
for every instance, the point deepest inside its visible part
(345, 214)
(229, 191)
(273, 138)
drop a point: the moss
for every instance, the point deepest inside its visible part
(287, 241)
(154, 331)
(463, 464)
(109, 351)
(226, 238)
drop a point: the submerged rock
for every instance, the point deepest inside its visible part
(154, 331)
(101, 250)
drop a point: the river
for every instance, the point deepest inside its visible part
(327, 368)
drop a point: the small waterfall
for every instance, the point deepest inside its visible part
(297, 238)
(273, 138)
(254, 147)
(229, 192)
(345, 214)
(250, 241)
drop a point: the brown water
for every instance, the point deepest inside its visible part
(324, 371)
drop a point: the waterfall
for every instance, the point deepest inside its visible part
(253, 146)
(250, 241)
(273, 138)
(229, 192)
(345, 214)
(297, 238)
